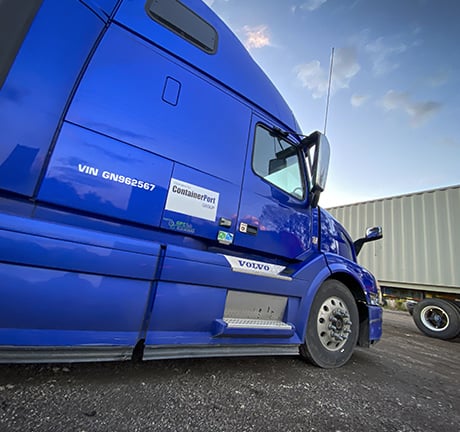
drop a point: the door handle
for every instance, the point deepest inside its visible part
(248, 229)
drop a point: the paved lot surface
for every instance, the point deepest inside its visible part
(408, 382)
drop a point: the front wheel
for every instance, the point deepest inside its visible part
(437, 318)
(332, 328)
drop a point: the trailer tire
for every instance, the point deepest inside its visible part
(332, 328)
(437, 318)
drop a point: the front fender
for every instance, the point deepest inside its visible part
(365, 289)
(315, 273)
(366, 282)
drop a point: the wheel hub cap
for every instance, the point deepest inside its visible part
(333, 324)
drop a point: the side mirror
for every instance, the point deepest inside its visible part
(280, 162)
(318, 143)
(275, 165)
(372, 234)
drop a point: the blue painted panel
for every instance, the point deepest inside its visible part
(318, 271)
(38, 86)
(185, 314)
(132, 232)
(375, 322)
(187, 308)
(41, 251)
(92, 172)
(284, 223)
(334, 237)
(196, 202)
(247, 78)
(366, 280)
(121, 96)
(172, 338)
(64, 308)
(186, 265)
(192, 294)
(202, 273)
(283, 230)
(104, 8)
(27, 338)
(77, 235)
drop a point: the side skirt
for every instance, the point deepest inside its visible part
(14, 354)
(192, 351)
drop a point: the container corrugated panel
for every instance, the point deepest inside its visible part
(420, 248)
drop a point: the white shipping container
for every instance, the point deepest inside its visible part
(420, 249)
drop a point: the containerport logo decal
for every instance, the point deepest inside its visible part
(192, 200)
(258, 268)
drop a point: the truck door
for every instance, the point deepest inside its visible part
(274, 216)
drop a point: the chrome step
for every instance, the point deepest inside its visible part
(256, 324)
(248, 327)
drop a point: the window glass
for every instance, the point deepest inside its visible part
(15, 19)
(184, 22)
(277, 161)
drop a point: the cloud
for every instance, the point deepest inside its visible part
(449, 142)
(208, 2)
(314, 77)
(419, 112)
(439, 79)
(382, 55)
(346, 66)
(357, 99)
(256, 37)
(312, 5)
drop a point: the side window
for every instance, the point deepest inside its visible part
(277, 161)
(184, 22)
(15, 19)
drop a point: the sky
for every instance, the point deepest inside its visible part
(394, 114)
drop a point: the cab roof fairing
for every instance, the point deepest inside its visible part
(248, 79)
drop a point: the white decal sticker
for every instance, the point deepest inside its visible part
(258, 268)
(117, 178)
(192, 200)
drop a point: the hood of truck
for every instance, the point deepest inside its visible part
(334, 238)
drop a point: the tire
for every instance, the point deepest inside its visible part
(437, 318)
(332, 328)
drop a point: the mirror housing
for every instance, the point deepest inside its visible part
(275, 165)
(280, 162)
(320, 163)
(372, 234)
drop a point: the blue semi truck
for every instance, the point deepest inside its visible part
(158, 198)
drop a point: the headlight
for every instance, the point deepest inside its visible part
(376, 298)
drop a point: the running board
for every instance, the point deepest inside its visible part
(243, 327)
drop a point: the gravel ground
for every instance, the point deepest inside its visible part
(407, 382)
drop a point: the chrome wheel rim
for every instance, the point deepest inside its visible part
(333, 323)
(434, 318)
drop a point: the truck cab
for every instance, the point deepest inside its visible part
(158, 198)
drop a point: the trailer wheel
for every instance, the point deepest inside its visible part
(437, 318)
(332, 328)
